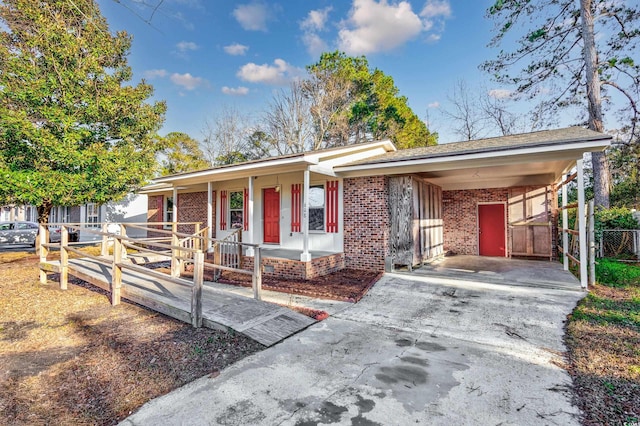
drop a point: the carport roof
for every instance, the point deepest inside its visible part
(537, 158)
(540, 139)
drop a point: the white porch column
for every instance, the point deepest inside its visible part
(247, 236)
(175, 205)
(582, 227)
(565, 234)
(305, 256)
(210, 223)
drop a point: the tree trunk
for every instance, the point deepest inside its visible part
(601, 174)
(44, 210)
(43, 218)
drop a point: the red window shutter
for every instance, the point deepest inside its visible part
(213, 215)
(331, 206)
(223, 210)
(245, 210)
(295, 207)
(159, 210)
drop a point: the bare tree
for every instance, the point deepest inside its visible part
(288, 121)
(225, 136)
(466, 113)
(498, 115)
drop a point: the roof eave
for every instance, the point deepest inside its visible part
(595, 144)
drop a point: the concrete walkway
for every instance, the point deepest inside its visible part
(415, 350)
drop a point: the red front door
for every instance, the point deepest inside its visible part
(491, 230)
(271, 215)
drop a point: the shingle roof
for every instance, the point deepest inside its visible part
(502, 143)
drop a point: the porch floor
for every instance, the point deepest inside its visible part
(290, 254)
(502, 270)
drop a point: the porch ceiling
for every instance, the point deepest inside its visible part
(536, 173)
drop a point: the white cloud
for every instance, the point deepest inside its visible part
(500, 93)
(378, 26)
(184, 46)
(315, 44)
(316, 20)
(188, 81)
(252, 16)
(435, 104)
(280, 73)
(236, 49)
(433, 15)
(151, 74)
(436, 9)
(235, 91)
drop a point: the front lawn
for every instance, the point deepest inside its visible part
(603, 339)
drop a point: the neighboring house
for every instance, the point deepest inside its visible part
(131, 209)
(13, 212)
(370, 206)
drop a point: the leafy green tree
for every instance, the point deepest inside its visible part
(350, 103)
(580, 53)
(71, 132)
(182, 153)
(625, 170)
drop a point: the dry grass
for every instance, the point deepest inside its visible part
(603, 338)
(69, 357)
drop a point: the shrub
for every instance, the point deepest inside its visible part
(615, 274)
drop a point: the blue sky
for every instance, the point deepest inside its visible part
(202, 56)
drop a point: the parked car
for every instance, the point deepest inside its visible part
(18, 232)
(55, 234)
(25, 233)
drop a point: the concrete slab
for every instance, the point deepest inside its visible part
(414, 350)
(536, 273)
(331, 307)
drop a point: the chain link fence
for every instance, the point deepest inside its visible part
(618, 243)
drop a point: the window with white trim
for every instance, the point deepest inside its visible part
(236, 209)
(316, 207)
(31, 214)
(93, 215)
(54, 216)
(168, 211)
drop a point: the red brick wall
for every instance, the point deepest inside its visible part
(460, 213)
(296, 269)
(366, 222)
(192, 207)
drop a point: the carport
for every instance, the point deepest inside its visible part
(495, 197)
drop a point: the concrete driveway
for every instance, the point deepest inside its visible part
(415, 350)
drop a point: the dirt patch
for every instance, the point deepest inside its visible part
(348, 285)
(603, 339)
(69, 357)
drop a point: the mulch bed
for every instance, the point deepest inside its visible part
(348, 285)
